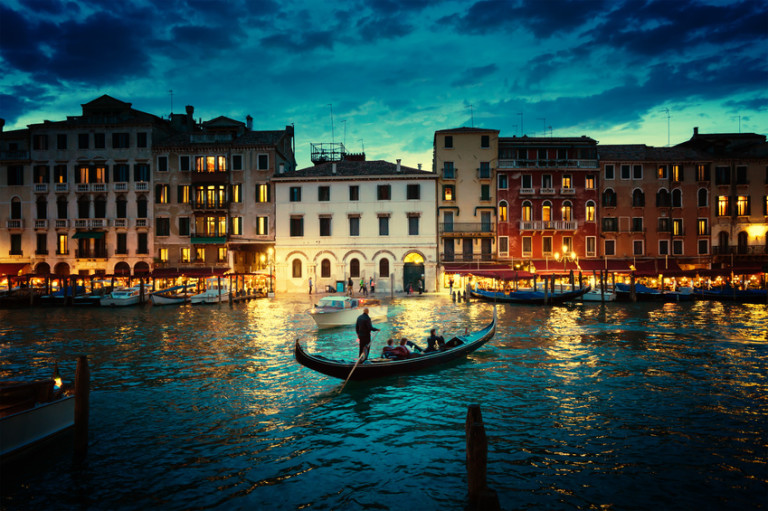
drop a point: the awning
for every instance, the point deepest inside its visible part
(93, 235)
(612, 265)
(209, 240)
(166, 273)
(11, 268)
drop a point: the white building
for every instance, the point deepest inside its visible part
(358, 220)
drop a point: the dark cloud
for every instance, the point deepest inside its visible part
(375, 28)
(300, 42)
(48, 7)
(206, 38)
(474, 75)
(391, 7)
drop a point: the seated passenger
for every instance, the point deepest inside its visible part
(434, 342)
(388, 351)
(402, 350)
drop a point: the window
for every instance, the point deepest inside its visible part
(354, 192)
(504, 246)
(83, 140)
(143, 243)
(163, 226)
(567, 211)
(384, 268)
(163, 253)
(449, 142)
(546, 245)
(16, 208)
(527, 246)
(184, 226)
(677, 173)
(413, 225)
(625, 172)
(485, 192)
(590, 212)
(663, 247)
(567, 181)
(702, 172)
(485, 170)
(262, 162)
(141, 172)
(703, 247)
(295, 194)
(702, 198)
(449, 194)
(546, 181)
(83, 207)
(42, 244)
(60, 173)
(413, 192)
(141, 139)
(162, 164)
(662, 172)
(15, 175)
(677, 227)
(222, 254)
(61, 141)
(637, 172)
(120, 173)
(609, 247)
(637, 224)
(609, 172)
(637, 247)
(325, 226)
(200, 254)
(485, 141)
(354, 226)
(262, 193)
(609, 198)
(741, 175)
(610, 224)
(62, 244)
(162, 194)
(237, 226)
(186, 255)
(99, 140)
(677, 198)
(42, 208)
(589, 182)
(16, 245)
(527, 212)
(384, 192)
(262, 225)
(383, 226)
(297, 226)
(663, 198)
(591, 246)
(237, 162)
(722, 175)
(742, 205)
(638, 198)
(723, 205)
(184, 163)
(526, 182)
(503, 182)
(664, 225)
(40, 142)
(324, 193)
(702, 227)
(325, 269)
(546, 211)
(354, 268)
(503, 211)
(120, 140)
(449, 172)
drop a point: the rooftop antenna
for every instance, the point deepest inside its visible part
(170, 91)
(739, 124)
(550, 131)
(363, 143)
(521, 123)
(543, 123)
(345, 131)
(333, 138)
(667, 110)
(472, 115)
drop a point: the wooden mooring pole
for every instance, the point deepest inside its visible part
(82, 395)
(480, 496)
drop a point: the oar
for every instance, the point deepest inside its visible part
(360, 359)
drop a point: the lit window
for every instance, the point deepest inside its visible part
(590, 182)
(567, 181)
(590, 211)
(527, 212)
(222, 254)
(503, 212)
(723, 207)
(546, 212)
(200, 255)
(742, 205)
(164, 255)
(185, 255)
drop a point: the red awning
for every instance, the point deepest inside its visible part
(612, 265)
(11, 268)
(167, 273)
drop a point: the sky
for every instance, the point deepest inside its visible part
(381, 76)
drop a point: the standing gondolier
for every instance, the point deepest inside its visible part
(364, 327)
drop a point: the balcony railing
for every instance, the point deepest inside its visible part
(142, 222)
(41, 187)
(210, 205)
(142, 186)
(121, 187)
(522, 164)
(466, 228)
(120, 222)
(61, 223)
(739, 250)
(540, 225)
(15, 224)
(465, 258)
(61, 187)
(41, 224)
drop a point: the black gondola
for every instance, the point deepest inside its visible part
(379, 367)
(529, 297)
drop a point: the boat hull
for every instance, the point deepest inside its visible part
(379, 368)
(529, 297)
(346, 317)
(732, 295)
(646, 294)
(25, 428)
(208, 298)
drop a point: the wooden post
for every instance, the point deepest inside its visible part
(231, 298)
(82, 395)
(632, 292)
(546, 289)
(480, 496)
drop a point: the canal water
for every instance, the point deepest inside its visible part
(615, 406)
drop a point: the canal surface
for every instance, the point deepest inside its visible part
(617, 406)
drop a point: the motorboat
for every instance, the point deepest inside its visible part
(529, 297)
(175, 295)
(334, 311)
(216, 291)
(596, 295)
(123, 297)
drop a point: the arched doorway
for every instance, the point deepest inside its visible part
(61, 270)
(141, 268)
(413, 271)
(42, 269)
(122, 268)
(743, 242)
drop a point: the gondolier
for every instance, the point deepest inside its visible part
(364, 327)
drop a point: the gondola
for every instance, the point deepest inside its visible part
(730, 294)
(380, 367)
(648, 294)
(529, 297)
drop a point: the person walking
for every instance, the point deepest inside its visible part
(310, 285)
(363, 328)
(350, 286)
(373, 286)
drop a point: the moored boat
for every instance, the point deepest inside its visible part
(731, 294)
(647, 294)
(529, 297)
(380, 367)
(216, 290)
(175, 295)
(596, 295)
(334, 311)
(123, 297)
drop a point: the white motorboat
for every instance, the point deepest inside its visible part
(122, 297)
(595, 295)
(175, 295)
(216, 291)
(333, 311)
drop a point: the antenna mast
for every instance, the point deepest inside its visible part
(333, 137)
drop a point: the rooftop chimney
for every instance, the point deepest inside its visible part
(398, 164)
(419, 166)
(190, 112)
(333, 168)
(695, 131)
(282, 168)
(2, 124)
(249, 123)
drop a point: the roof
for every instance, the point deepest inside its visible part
(104, 110)
(465, 129)
(246, 138)
(641, 152)
(525, 140)
(347, 169)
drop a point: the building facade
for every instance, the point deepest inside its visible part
(358, 220)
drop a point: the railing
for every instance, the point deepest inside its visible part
(41, 187)
(14, 155)
(120, 222)
(521, 164)
(61, 187)
(41, 224)
(567, 191)
(98, 223)
(216, 204)
(142, 222)
(15, 224)
(547, 191)
(61, 223)
(540, 225)
(99, 187)
(141, 186)
(121, 187)
(81, 223)
(82, 187)
(460, 228)
(462, 258)
(527, 191)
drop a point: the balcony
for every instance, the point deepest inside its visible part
(120, 187)
(81, 223)
(540, 225)
(526, 164)
(14, 155)
(527, 191)
(61, 223)
(461, 229)
(82, 187)
(120, 222)
(99, 187)
(210, 205)
(41, 187)
(547, 191)
(61, 187)
(567, 191)
(15, 224)
(41, 224)
(141, 186)
(465, 258)
(142, 222)
(98, 223)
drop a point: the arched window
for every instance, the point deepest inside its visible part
(141, 207)
(15, 208)
(743, 242)
(384, 268)
(590, 213)
(546, 211)
(354, 268)
(567, 211)
(703, 198)
(609, 198)
(296, 267)
(121, 205)
(100, 207)
(662, 198)
(677, 198)
(722, 240)
(638, 198)
(503, 211)
(83, 207)
(42, 208)
(325, 269)
(527, 212)
(61, 207)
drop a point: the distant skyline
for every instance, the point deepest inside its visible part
(384, 75)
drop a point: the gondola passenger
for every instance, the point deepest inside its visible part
(434, 342)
